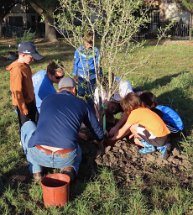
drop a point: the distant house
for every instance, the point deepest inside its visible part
(164, 11)
(22, 17)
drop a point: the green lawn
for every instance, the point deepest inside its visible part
(168, 72)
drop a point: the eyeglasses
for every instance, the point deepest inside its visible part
(59, 77)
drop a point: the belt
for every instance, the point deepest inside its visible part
(50, 152)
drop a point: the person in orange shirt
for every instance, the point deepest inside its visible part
(21, 85)
(147, 128)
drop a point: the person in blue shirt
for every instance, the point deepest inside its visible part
(43, 82)
(171, 118)
(86, 62)
(54, 142)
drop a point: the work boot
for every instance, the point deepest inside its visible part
(147, 150)
(164, 150)
(69, 171)
(37, 177)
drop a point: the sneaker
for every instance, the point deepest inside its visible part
(164, 150)
(147, 150)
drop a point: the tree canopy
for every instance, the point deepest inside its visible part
(186, 4)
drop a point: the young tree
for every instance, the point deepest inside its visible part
(114, 22)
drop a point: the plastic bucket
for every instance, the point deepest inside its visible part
(55, 189)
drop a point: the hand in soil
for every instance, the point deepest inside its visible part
(100, 148)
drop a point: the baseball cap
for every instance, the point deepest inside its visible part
(29, 48)
(66, 82)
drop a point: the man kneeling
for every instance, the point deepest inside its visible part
(54, 142)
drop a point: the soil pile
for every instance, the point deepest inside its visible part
(128, 164)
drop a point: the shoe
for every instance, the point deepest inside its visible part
(147, 150)
(69, 171)
(164, 150)
(37, 177)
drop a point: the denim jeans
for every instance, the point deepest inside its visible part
(86, 88)
(32, 115)
(38, 159)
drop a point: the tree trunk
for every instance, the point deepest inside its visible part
(190, 27)
(50, 32)
(0, 28)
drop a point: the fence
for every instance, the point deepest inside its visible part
(179, 30)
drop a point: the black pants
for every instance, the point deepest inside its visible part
(32, 114)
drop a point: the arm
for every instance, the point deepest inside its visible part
(76, 61)
(121, 132)
(92, 123)
(46, 89)
(120, 123)
(16, 88)
(97, 58)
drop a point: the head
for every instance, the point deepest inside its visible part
(88, 39)
(55, 72)
(148, 99)
(27, 52)
(130, 102)
(67, 84)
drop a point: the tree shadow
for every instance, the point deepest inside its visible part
(160, 82)
(14, 177)
(88, 169)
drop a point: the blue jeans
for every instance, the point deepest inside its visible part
(86, 88)
(38, 159)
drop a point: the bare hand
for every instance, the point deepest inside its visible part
(76, 79)
(25, 113)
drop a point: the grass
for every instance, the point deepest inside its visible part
(169, 74)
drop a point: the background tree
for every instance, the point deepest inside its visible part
(5, 7)
(46, 8)
(188, 6)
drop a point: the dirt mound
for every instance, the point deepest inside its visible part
(128, 164)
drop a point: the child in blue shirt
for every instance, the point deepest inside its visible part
(86, 60)
(171, 118)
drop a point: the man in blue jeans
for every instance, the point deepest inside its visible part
(54, 142)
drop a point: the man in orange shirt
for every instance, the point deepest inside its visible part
(21, 85)
(147, 128)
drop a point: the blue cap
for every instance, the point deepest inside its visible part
(29, 48)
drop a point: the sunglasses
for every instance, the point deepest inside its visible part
(59, 77)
